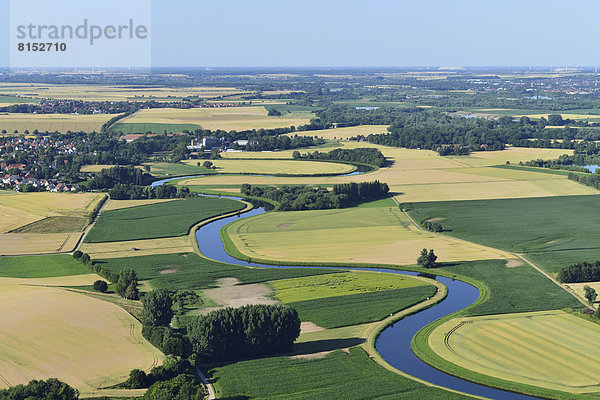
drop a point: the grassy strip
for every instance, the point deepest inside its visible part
(333, 312)
(354, 375)
(157, 220)
(40, 266)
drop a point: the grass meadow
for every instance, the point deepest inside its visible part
(352, 374)
(157, 220)
(547, 234)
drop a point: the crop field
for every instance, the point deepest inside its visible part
(554, 350)
(360, 308)
(111, 92)
(513, 288)
(274, 167)
(231, 118)
(344, 133)
(190, 271)
(135, 248)
(163, 169)
(119, 204)
(379, 235)
(546, 233)
(54, 225)
(52, 122)
(157, 220)
(340, 284)
(60, 334)
(422, 175)
(14, 244)
(351, 373)
(41, 267)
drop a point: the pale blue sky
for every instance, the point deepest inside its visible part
(369, 33)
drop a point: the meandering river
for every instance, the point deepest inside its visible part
(394, 342)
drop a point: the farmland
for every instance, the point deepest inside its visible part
(344, 133)
(231, 118)
(157, 220)
(553, 350)
(35, 92)
(136, 248)
(546, 234)
(352, 373)
(52, 122)
(353, 309)
(340, 284)
(37, 223)
(421, 175)
(275, 167)
(40, 267)
(378, 235)
(60, 334)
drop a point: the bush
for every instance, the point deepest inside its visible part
(182, 387)
(101, 286)
(77, 254)
(137, 379)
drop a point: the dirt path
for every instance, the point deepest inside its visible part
(91, 225)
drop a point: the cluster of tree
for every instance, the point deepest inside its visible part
(433, 226)
(455, 150)
(126, 281)
(51, 389)
(135, 192)
(300, 197)
(364, 155)
(580, 272)
(427, 259)
(248, 331)
(271, 143)
(592, 180)
(101, 286)
(119, 175)
(176, 379)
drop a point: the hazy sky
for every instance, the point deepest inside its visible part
(368, 33)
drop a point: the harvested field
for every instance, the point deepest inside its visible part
(136, 248)
(60, 334)
(344, 133)
(380, 235)
(54, 225)
(232, 118)
(273, 167)
(551, 349)
(119, 204)
(12, 244)
(52, 122)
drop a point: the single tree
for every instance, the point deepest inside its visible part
(590, 294)
(101, 286)
(427, 259)
(207, 164)
(132, 292)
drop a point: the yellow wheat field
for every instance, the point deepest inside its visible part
(147, 247)
(51, 332)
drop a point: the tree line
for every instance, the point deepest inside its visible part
(580, 272)
(364, 155)
(302, 197)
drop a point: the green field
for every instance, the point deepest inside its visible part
(174, 218)
(190, 271)
(352, 375)
(40, 266)
(340, 284)
(178, 169)
(333, 312)
(555, 231)
(512, 289)
(54, 225)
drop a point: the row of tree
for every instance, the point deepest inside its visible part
(592, 180)
(364, 155)
(135, 192)
(301, 197)
(580, 272)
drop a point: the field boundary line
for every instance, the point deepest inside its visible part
(91, 224)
